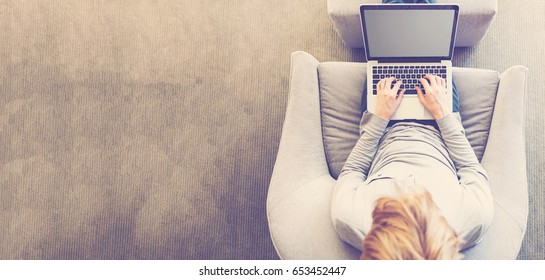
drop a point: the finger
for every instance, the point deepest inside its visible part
(431, 79)
(420, 94)
(443, 83)
(425, 83)
(397, 86)
(439, 81)
(381, 83)
(389, 82)
(400, 95)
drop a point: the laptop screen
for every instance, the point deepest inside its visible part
(409, 32)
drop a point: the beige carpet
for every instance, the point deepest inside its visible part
(135, 130)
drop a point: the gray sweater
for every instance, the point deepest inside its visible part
(389, 161)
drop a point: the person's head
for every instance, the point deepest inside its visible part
(410, 227)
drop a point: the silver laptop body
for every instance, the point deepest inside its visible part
(408, 41)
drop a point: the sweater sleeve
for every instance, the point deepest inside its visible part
(347, 216)
(371, 131)
(478, 205)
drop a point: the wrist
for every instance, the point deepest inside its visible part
(382, 116)
(440, 115)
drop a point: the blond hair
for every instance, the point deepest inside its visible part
(410, 227)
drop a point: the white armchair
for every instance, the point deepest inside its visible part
(298, 202)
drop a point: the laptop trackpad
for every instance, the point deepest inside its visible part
(409, 109)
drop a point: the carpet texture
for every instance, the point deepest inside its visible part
(136, 130)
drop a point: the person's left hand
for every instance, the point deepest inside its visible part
(388, 98)
(435, 99)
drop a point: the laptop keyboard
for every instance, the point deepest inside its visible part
(409, 75)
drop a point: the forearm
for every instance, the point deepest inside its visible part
(458, 146)
(371, 131)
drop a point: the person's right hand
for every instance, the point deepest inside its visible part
(435, 99)
(388, 98)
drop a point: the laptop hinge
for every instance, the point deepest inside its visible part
(411, 60)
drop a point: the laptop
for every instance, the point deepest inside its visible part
(408, 41)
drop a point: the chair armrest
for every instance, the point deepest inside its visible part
(301, 156)
(498, 233)
(474, 20)
(301, 226)
(504, 160)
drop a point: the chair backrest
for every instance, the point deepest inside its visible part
(341, 92)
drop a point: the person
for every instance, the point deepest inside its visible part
(412, 190)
